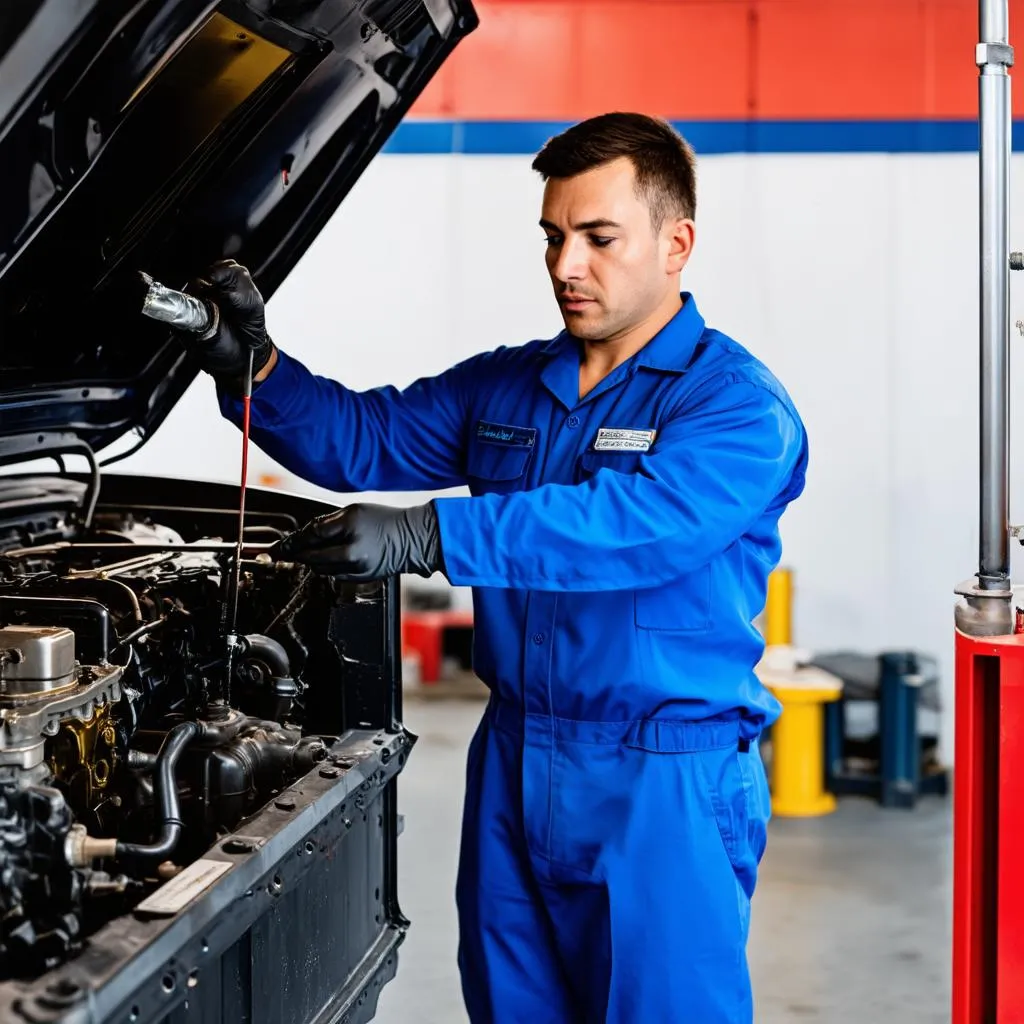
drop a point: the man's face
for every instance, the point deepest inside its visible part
(609, 268)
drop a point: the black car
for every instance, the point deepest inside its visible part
(198, 750)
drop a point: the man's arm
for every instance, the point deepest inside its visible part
(384, 439)
(709, 477)
(343, 440)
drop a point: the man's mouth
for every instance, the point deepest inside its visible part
(574, 303)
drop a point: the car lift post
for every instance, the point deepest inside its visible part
(988, 886)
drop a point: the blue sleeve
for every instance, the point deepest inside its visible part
(709, 477)
(384, 439)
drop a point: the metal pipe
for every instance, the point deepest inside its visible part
(993, 58)
(994, 21)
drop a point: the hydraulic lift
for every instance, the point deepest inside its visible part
(988, 883)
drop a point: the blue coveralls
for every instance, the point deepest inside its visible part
(619, 548)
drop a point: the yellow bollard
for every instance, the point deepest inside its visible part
(778, 609)
(798, 737)
(798, 743)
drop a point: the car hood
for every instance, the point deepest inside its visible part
(160, 135)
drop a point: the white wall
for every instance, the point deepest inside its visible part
(853, 277)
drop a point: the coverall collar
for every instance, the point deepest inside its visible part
(669, 351)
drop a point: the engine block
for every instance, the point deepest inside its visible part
(134, 752)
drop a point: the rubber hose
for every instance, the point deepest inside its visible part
(166, 791)
(270, 652)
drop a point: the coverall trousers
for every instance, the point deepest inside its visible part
(607, 869)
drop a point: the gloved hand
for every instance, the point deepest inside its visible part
(367, 542)
(242, 326)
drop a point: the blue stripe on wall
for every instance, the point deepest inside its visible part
(707, 137)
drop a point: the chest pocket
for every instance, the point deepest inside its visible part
(682, 606)
(496, 468)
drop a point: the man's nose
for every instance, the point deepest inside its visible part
(570, 264)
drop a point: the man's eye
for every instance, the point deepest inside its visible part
(601, 241)
(552, 240)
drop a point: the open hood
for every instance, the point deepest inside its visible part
(160, 135)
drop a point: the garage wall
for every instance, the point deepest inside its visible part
(837, 238)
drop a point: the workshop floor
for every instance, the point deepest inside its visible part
(851, 918)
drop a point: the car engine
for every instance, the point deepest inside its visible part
(133, 732)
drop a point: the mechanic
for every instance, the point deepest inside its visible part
(627, 478)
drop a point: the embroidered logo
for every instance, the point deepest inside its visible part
(501, 433)
(612, 439)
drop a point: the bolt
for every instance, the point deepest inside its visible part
(329, 773)
(285, 804)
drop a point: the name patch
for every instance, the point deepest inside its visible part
(501, 433)
(614, 439)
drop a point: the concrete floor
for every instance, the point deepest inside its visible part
(851, 917)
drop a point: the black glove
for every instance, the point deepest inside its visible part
(367, 542)
(242, 326)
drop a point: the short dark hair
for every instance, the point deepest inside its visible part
(664, 162)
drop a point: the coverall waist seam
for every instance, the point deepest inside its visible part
(662, 735)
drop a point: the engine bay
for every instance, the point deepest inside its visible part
(135, 733)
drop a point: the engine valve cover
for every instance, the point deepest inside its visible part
(35, 659)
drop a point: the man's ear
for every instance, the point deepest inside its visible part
(680, 233)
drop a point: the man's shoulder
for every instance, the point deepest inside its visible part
(723, 361)
(505, 358)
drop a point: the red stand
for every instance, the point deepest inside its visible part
(423, 632)
(988, 894)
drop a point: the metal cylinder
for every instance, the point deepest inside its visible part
(179, 309)
(994, 18)
(993, 59)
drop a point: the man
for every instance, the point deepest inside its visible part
(627, 478)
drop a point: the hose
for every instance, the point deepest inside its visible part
(166, 791)
(270, 652)
(285, 689)
(141, 760)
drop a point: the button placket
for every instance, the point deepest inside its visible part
(537, 656)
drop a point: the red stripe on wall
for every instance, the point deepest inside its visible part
(716, 59)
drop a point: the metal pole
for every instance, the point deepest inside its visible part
(987, 606)
(994, 57)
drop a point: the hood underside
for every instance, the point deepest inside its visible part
(160, 135)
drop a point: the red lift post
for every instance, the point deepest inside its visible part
(988, 894)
